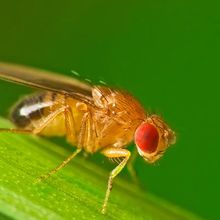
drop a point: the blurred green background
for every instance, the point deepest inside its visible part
(164, 52)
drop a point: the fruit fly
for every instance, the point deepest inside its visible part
(93, 118)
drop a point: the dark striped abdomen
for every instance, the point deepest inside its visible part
(32, 108)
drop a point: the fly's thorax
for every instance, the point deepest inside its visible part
(118, 104)
(117, 114)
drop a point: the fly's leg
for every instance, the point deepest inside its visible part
(37, 130)
(70, 126)
(86, 138)
(53, 171)
(130, 166)
(112, 152)
(87, 134)
(16, 130)
(83, 132)
(69, 122)
(70, 132)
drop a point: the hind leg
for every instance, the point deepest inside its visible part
(130, 167)
(70, 133)
(16, 130)
(37, 130)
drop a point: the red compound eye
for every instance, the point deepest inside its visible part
(147, 137)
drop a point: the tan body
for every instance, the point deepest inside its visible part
(92, 118)
(110, 122)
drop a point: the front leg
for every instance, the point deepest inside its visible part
(113, 152)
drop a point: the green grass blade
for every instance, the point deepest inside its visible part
(76, 192)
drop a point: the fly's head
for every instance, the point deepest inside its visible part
(153, 137)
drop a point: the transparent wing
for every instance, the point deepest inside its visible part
(46, 80)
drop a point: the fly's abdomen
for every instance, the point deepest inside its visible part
(31, 111)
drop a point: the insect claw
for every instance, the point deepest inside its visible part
(103, 211)
(40, 179)
(37, 181)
